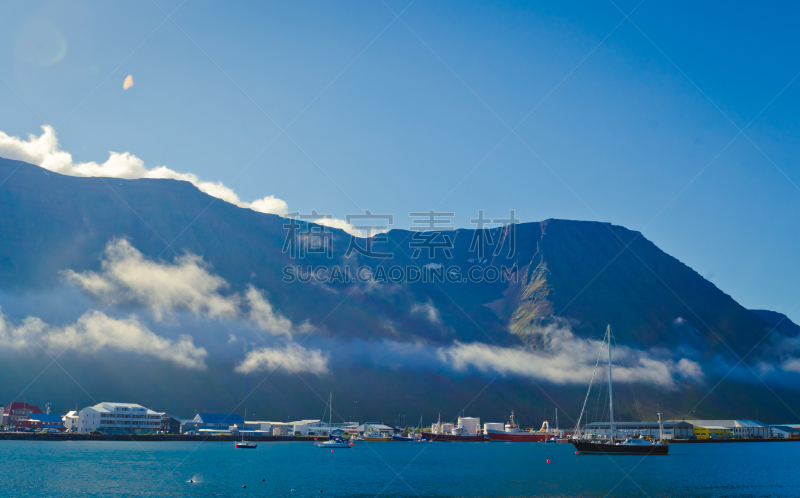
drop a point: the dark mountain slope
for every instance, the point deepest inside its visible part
(580, 271)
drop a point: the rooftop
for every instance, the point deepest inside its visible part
(218, 418)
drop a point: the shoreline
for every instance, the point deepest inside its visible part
(732, 440)
(31, 436)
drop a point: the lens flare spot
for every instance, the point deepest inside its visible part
(41, 43)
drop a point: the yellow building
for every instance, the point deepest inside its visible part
(712, 432)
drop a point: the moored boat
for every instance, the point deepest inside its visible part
(512, 433)
(333, 441)
(245, 445)
(630, 446)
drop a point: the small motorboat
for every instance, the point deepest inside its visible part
(397, 437)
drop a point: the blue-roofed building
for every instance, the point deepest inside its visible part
(47, 421)
(222, 422)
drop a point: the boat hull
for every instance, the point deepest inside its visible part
(587, 448)
(450, 437)
(246, 446)
(517, 437)
(376, 439)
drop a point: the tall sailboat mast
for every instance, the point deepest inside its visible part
(610, 394)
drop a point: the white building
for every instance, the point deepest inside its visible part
(118, 418)
(670, 429)
(71, 421)
(785, 431)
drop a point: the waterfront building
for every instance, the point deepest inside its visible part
(712, 432)
(118, 418)
(17, 415)
(785, 432)
(322, 428)
(280, 429)
(672, 429)
(70, 420)
(170, 424)
(375, 427)
(217, 422)
(41, 421)
(745, 429)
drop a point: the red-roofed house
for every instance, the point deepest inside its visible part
(17, 414)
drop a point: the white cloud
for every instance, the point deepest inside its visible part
(187, 284)
(690, 370)
(43, 151)
(563, 358)
(262, 314)
(162, 287)
(291, 358)
(791, 365)
(428, 310)
(94, 332)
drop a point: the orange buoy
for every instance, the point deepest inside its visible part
(576, 452)
(331, 451)
(548, 461)
(351, 444)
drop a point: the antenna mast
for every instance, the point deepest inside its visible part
(610, 395)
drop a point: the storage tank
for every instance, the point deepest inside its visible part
(470, 425)
(493, 426)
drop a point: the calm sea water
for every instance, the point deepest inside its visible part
(78, 468)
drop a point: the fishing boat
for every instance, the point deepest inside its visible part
(245, 445)
(417, 434)
(397, 437)
(587, 445)
(333, 441)
(467, 429)
(513, 433)
(375, 436)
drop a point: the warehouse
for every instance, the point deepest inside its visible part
(673, 429)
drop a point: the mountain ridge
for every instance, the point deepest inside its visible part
(575, 276)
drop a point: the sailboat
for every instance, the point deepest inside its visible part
(629, 446)
(245, 444)
(333, 441)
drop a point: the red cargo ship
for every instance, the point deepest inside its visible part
(513, 433)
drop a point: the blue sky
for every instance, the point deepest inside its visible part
(635, 122)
